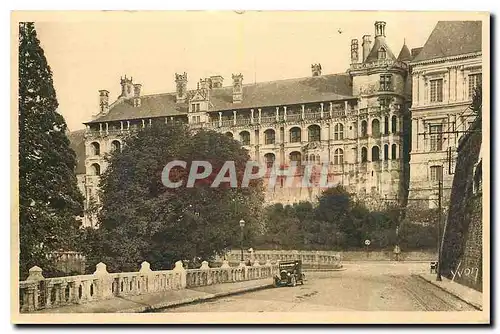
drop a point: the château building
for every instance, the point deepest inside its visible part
(445, 74)
(356, 122)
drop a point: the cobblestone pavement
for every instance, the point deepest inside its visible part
(361, 287)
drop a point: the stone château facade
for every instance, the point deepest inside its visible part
(357, 122)
(445, 73)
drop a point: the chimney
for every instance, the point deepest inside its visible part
(237, 88)
(379, 29)
(137, 95)
(367, 43)
(316, 70)
(216, 81)
(103, 102)
(181, 87)
(204, 87)
(127, 87)
(354, 51)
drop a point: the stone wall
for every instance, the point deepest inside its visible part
(461, 255)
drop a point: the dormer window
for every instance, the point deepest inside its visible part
(382, 54)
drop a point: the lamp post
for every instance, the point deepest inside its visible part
(242, 225)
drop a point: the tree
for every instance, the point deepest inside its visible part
(49, 199)
(143, 220)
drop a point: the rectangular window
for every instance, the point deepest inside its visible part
(386, 82)
(474, 81)
(436, 173)
(437, 90)
(436, 133)
(197, 107)
(193, 107)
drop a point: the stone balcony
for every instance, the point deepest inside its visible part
(379, 63)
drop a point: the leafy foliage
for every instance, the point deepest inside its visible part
(338, 222)
(142, 220)
(49, 199)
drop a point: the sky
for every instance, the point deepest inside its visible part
(91, 52)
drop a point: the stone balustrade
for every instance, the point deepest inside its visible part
(37, 292)
(311, 258)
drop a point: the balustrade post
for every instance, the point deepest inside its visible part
(234, 117)
(204, 266)
(277, 114)
(34, 277)
(251, 116)
(331, 109)
(284, 114)
(179, 269)
(260, 115)
(104, 282)
(322, 109)
(148, 273)
(303, 112)
(220, 119)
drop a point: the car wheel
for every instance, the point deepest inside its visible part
(293, 281)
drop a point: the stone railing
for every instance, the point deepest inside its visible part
(37, 292)
(308, 258)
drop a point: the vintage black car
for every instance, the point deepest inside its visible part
(290, 273)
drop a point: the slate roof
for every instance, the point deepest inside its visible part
(404, 54)
(415, 52)
(330, 87)
(451, 38)
(77, 143)
(377, 44)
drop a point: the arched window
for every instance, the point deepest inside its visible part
(269, 158)
(116, 146)
(394, 124)
(382, 54)
(394, 150)
(95, 169)
(245, 138)
(338, 157)
(229, 134)
(295, 135)
(375, 128)
(269, 136)
(96, 148)
(386, 152)
(386, 125)
(364, 129)
(364, 154)
(296, 157)
(314, 133)
(375, 153)
(338, 131)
